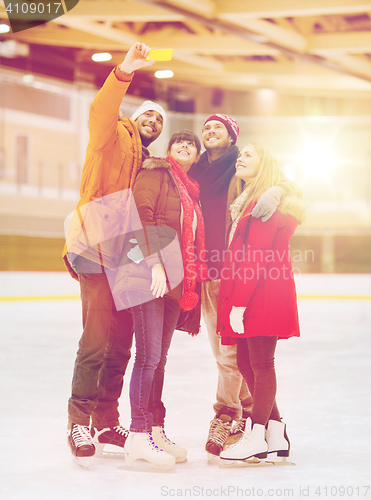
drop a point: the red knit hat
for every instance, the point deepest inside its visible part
(230, 124)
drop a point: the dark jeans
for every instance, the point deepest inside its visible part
(102, 356)
(154, 325)
(255, 359)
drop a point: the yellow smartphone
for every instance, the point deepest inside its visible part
(160, 55)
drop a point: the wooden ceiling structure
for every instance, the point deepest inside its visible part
(287, 45)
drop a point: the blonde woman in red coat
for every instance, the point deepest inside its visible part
(257, 301)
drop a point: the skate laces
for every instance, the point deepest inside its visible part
(121, 430)
(162, 431)
(81, 435)
(219, 431)
(239, 426)
(154, 445)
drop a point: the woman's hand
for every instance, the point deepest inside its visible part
(236, 319)
(136, 58)
(158, 285)
(267, 203)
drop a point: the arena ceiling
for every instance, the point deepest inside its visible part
(288, 45)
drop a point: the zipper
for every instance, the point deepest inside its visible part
(223, 281)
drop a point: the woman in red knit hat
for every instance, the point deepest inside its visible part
(167, 203)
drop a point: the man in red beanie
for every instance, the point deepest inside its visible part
(215, 174)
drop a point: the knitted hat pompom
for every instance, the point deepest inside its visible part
(189, 300)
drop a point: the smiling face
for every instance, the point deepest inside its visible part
(149, 125)
(184, 152)
(247, 164)
(215, 137)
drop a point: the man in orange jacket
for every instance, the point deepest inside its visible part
(114, 155)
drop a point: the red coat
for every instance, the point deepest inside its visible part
(257, 274)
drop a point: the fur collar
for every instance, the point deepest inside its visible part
(153, 162)
(294, 206)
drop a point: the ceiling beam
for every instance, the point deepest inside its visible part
(275, 33)
(329, 43)
(356, 64)
(243, 32)
(217, 44)
(204, 7)
(250, 9)
(122, 10)
(105, 30)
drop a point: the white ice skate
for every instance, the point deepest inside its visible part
(278, 443)
(236, 431)
(251, 449)
(140, 445)
(163, 442)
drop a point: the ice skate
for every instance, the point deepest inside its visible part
(140, 445)
(109, 440)
(237, 431)
(219, 431)
(250, 449)
(81, 443)
(278, 443)
(163, 442)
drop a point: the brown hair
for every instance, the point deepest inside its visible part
(185, 135)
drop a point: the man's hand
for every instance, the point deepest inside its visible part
(158, 285)
(236, 319)
(267, 203)
(136, 58)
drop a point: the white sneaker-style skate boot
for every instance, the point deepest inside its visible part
(252, 444)
(277, 439)
(140, 445)
(163, 442)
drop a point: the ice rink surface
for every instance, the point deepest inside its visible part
(323, 394)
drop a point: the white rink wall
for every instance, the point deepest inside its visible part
(60, 284)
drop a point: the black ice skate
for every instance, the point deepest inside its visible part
(219, 431)
(115, 437)
(237, 431)
(81, 443)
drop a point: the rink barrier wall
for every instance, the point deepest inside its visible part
(75, 297)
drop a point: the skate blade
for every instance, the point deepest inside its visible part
(83, 462)
(212, 459)
(142, 463)
(250, 462)
(164, 466)
(283, 461)
(108, 450)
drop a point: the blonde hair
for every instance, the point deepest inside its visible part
(269, 174)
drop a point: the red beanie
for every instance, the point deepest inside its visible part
(229, 123)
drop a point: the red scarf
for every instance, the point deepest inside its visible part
(192, 251)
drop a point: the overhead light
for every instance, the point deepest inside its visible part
(101, 56)
(165, 73)
(28, 78)
(318, 159)
(4, 28)
(13, 48)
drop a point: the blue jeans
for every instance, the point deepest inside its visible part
(154, 325)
